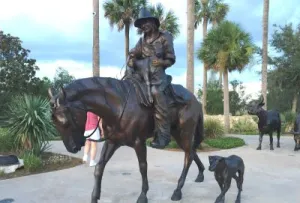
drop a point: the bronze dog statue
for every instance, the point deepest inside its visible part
(226, 168)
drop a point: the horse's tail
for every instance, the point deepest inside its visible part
(199, 131)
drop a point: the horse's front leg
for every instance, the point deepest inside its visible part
(107, 151)
(141, 152)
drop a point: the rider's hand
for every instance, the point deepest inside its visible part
(157, 62)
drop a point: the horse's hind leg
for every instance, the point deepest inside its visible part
(200, 177)
(188, 158)
(107, 151)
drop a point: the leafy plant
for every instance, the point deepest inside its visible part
(225, 142)
(6, 141)
(32, 162)
(213, 128)
(28, 121)
(243, 126)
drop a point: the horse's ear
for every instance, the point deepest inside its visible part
(62, 92)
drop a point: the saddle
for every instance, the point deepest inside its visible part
(175, 93)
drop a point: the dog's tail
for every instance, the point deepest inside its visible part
(199, 131)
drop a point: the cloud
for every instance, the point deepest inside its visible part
(76, 69)
(59, 33)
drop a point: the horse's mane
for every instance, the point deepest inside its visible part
(77, 86)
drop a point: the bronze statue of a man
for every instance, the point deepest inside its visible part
(158, 46)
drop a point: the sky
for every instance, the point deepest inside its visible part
(59, 34)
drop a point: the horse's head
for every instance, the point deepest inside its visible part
(69, 119)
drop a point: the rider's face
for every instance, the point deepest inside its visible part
(147, 26)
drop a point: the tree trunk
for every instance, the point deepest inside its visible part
(265, 51)
(295, 101)
(205, 21)
(226, 102)
(126, 41)
(220, 78)
(96, 44)
(214, 25)
(190, 45)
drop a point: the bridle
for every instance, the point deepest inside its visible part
(74, 121)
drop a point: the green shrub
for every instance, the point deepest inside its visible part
(244, 126)
(225, 142)
(2, 173)
(255, 118)
(289, 117)
(171, 145)
(7, 141)
(28, 121)
(31, 161)
(213, 128)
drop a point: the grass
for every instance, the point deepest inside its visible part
(209, 144)
(47, 163)
(35, 161)
(225, 142)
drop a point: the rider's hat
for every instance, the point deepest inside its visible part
(143, 15)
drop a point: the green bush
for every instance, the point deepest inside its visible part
(171, 145)
(32, 162)
(28, 121)
(7, 142)
(243, 126)
(213, 128)
(225, 142)
(289, 117)
(255, 118)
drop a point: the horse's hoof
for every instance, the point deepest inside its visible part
(258, 148)
(238, 201)
(271, 148)
(142, 199)
(94, 200)
(177, 195)
(200, 178)
(278, 146)
(220, 200)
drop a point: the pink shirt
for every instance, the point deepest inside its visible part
(91, 121)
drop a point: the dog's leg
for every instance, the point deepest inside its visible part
(271, 140)
(260, 140)
(239, 183)
(278, 137)
(221, 185)
(221, 197)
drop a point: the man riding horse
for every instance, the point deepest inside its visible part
(147, 47)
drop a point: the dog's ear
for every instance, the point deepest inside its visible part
(221, 160)
(211, 159)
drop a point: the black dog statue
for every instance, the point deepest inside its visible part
(226, 168)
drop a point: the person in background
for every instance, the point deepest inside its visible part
(91, 142)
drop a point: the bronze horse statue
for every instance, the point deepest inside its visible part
(127, 121)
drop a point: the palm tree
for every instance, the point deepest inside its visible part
(226, 48)
(203, 13)
(264, 70)
(96, 44)
(122, 13)
(190, 45)
(168, 20)
(218, 14)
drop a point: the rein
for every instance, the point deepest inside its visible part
(74, 120)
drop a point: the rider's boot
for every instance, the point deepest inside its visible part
(162, 122)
